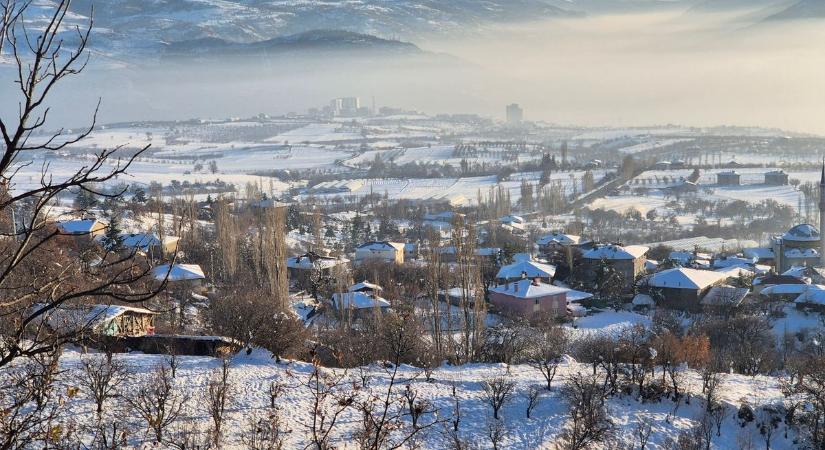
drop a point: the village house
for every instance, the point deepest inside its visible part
(360, 301)
(813, 299)
(101, 320)
(150, 244)
(628, 260)
(558, 242)
(312, 261)
(529, 298)
(523, 267)
(513, 223)
(185, 276)
(448, 254)
(90, 228)
(682, 288)
(380, 251)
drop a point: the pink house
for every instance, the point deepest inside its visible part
(527, 298)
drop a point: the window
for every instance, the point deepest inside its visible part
(537, 301)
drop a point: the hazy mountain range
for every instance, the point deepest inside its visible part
(127, 29)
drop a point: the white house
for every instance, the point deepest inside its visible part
(382, 251)
(82, 227)
(525, 267)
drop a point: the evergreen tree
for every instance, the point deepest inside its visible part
(139, 195)
(85, 200)
(112, 239)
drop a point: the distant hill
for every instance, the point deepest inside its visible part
(313, 41)
(131, 27)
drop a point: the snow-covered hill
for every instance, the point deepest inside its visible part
(135, 24)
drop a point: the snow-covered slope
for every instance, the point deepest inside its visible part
(126, 24)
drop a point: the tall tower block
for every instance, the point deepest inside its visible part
(822, 216)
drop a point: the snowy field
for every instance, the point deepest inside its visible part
(752, 189)
(252, 375)
(464, 191)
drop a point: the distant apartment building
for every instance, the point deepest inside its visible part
(345, 106)
(514, 114)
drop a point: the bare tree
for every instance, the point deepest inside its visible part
(219, 396)
(496, 431)
(589, 422)
(157, 402)
(532, 396)
(550, 349)
(264, 432)
(497, 392)
(101, 378)
(44, 59)
(643, 430)
(329, 398)
(26, 392)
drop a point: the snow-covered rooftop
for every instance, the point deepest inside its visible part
(382, 245)
(526, 269)
(358, 300)
(616, 252)
(365, 286)
(178, 272)
(683, 278)
(310, 261)
(529, 289)
(802, 233)
(80, 226)
(559, 238)
(814, 295)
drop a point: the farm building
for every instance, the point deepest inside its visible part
(776, 178)
(730, 178)
(101, 320)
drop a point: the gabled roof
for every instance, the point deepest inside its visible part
(512, 218)
(527, 269)
(559, 238)
(381, 245)
(724, 296)
(80, 226)
(814, 295)
(85, 317)
(311, 260)
(733, 261)
(358, 300)
(785, 289)
(143, 241)
(769, 280)
(683, 278)
(613, 252)
(365, 286)
(178, 272)
(528, 289)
